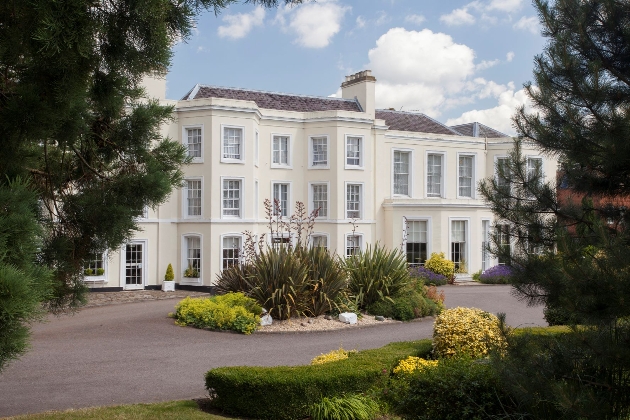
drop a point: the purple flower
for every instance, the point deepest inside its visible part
(499, 274)
(428, 275)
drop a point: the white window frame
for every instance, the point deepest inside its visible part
(311, 203)
(409, 174)
(242, 145)
(320, 235)
(185, 128)
(511, 241)
(256, 148)
(361, 200)
(468, 255)
(443, 177)
(184, 256)
(289, 195)
(102, 277)
(230, 235)
(361, 152)
(496, 169)
(426, 219)
(542, 163)
(487, 240)
(241, 197)
(289, 163)
(311, 154)
(345, 242)
(292, 238)
(185, 198)
(473, 187)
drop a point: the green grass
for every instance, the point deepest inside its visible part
(172, 410)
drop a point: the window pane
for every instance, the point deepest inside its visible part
(353, 245)
(320, 151)
(465, 176)
(534, 169)
(193, 255)
(416, 242)
(194, 142)
(193, 192)
(353, 151)
(502, 233)
(434, 175)
(281, 150)
(320, 241)
(401, 173)
(320, 199)
(94, 266)
(232, 140)
(281, 197)
(231, 197)
(353, 199)
(231, 251)
(458, 242)
(503, 175)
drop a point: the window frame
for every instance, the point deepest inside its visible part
(185, 128)
(486, 256)
(289, 196)
(311, 152)
(184, 256)
(320, 235)
(428, 221)
(345, 242)
(409, 173)
(362, 148)
(497, 158)
(473, 180)
(498, 243)
(442, 177)
(186, 198)
(467, 253)
(99, 278)
(224, 159)
(311, 201)
(528, 158)
(241, 197)
(224, 236)
(361, 200)
(289, 163)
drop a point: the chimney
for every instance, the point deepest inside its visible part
(361, 86)
(155, 85)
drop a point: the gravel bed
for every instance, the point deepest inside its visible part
(319, 324)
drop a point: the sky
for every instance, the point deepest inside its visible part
(456, 61)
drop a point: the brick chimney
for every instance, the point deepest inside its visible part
(361, 86)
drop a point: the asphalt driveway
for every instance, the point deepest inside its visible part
(134, 353)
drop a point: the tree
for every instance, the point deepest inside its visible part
(74, 125)
(572, 249)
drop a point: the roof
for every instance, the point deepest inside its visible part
(479, 131)
(273, 100)
(413, 121)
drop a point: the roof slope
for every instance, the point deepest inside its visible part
(481, 131)
(273, 100)
(412, 121)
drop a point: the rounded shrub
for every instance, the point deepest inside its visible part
(427, 276)
(233, 311)
(466, 331)
(438, 263)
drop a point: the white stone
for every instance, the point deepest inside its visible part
(348, 317)
(266, 320)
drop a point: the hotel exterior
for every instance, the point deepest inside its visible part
(398, 178)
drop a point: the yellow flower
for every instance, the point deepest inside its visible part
(411, 364)
(331, 356)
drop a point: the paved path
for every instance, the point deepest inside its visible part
(133, 353)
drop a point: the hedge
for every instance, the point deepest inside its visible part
(286, 392)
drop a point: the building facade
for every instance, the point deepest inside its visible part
(399, 178)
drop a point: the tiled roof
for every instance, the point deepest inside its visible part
(482, 131)
(272, 100)
(411, 121)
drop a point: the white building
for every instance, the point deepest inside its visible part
(401, 176)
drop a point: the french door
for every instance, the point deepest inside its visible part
(134, 271)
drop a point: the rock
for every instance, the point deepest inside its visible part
(348, 318)
(379, 318)
(266, 320)
(303, 324)
(310, 321)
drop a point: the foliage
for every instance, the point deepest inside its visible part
(328, 279)
(255, 391)
(191, 272)
(331, 356)
(233, 311)
(499, 274)
(413, 364)
(453, 389)
(376, 274)
(23, 282)
(476, 275)
(100, 271)
(572, 243)
(428, 276)
(170, 275)
(466, 331)
(440, 265)
(346, 407)
(234, 279)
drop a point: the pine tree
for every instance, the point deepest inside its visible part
(74, 123)
(572, 245)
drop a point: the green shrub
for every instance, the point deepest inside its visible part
(88, 272)
(233, 311)
(440, 265)
(411, 302)
(347, 407)
(100, 271)
(376, 274)
(328, 278)
(170, 275)
(234, 279)
(457, 389)
(287, 392)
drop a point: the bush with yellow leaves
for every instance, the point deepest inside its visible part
(412, 364)
(468, 331)
(440, 265)
(332, 356)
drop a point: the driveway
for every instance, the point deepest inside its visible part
(133, 353)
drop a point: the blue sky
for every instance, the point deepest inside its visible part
(456, 61)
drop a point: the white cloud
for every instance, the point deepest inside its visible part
(239, 25)
(528, 24)
(486, 64)
(382, 18)
(314, 24)
(509, 56)
(508, 6)
(415, 19)
(360, 22)
(498, 117)
(458, 17)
